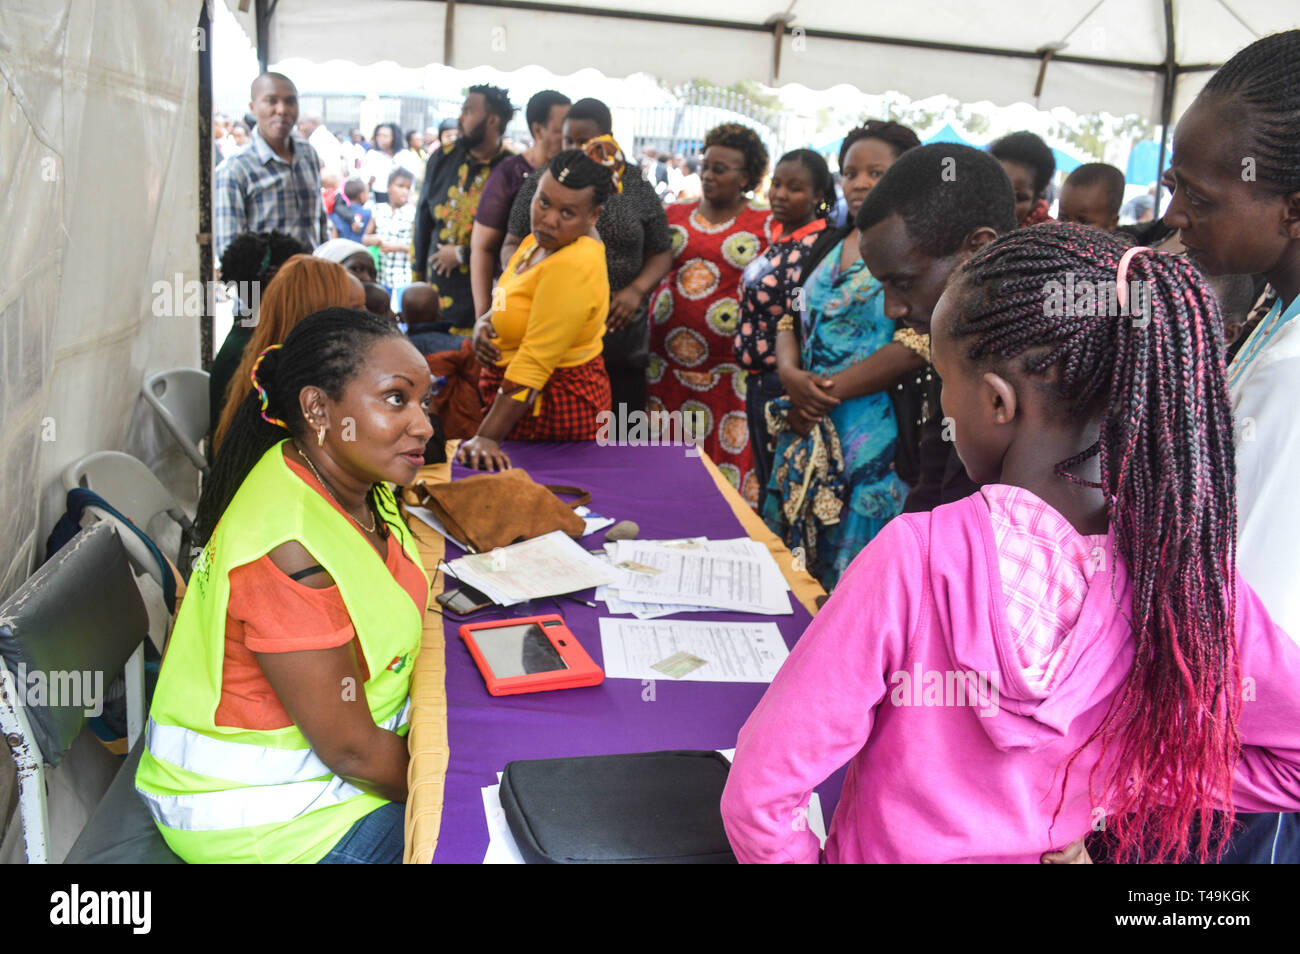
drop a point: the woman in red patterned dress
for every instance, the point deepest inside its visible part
(694, 311)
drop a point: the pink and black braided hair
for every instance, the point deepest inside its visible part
(1167, 470)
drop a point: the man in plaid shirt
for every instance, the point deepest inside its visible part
(275, 182)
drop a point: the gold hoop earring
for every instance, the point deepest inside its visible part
(320, 436)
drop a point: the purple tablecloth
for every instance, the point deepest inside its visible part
(669, 495)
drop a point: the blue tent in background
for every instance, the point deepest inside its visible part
(1142, 161)
(948, 134)
(1065, 163)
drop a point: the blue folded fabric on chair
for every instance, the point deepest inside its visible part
(79, 498)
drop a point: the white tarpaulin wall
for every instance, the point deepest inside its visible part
(724, 41)
(99, 161)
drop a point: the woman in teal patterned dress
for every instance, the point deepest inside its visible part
(834, 488)
(843, 324)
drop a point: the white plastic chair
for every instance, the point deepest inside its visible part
(180, 399)
(136, 493)
(81, 608)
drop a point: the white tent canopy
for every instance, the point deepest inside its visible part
(1112, 55)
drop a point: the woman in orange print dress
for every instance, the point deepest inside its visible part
(694, 311)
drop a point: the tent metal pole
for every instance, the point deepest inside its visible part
(205, 182)
(449, 34)
(263, 10)
(1167, 94)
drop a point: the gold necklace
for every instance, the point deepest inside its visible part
(370, 529)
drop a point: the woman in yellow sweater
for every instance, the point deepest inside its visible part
(540, 347)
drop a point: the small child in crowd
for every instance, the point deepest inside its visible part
(378, 301)
(1029, 165)
(1092, 195)
(350, 219)
(421, 314)
(393, 229)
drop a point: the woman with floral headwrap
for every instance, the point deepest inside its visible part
(694, 312)
(543, 375)
(637, 253)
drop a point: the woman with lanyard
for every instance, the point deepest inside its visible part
(801, 192)
(695, 311)
(842, 324)
(1234, 223)
(543, 377)
(276, 730)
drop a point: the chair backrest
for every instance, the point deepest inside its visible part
(180, 399)
(68, 631)
(127, 484)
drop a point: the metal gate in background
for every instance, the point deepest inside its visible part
(674, 129)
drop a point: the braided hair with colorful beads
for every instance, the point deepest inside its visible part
(1155, 383)
(324, 350)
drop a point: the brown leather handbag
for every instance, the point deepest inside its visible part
(487, 511)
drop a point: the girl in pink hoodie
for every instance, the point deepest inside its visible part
(1071, 648)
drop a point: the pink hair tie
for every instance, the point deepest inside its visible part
(1121, 275)
(261, 391)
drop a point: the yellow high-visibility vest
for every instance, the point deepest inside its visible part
(222, 794)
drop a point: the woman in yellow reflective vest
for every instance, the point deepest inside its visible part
(277, 730)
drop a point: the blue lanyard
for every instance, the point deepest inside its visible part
(1265, 332)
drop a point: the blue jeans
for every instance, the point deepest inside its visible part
(1265, 839)
(436, 339)
(377, 839)
(761, 388)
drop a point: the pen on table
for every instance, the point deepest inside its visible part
(575, 599)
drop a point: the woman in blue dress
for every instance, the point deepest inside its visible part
(833, 486)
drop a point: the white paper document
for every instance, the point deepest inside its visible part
(594, 521)
(733, 652)
(544, 566)
(429, 517)
(502, 849)
(736, 580)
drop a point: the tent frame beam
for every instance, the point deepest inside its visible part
(708, 22)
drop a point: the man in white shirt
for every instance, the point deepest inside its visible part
(328, 148)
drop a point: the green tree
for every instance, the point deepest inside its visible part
(1090, 134)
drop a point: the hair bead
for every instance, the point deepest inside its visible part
(261, 391)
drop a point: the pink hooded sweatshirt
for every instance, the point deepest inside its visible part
(909, 674)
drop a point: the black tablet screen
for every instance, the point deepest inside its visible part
(518, 650)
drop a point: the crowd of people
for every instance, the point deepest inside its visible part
(910, 369)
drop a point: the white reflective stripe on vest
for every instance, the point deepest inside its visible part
(281, 780)
(246, 807)
(240, 761)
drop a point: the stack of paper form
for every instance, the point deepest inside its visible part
(544, 566)
(660, 577)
